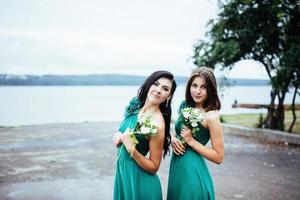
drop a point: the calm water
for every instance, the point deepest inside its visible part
(41, 104)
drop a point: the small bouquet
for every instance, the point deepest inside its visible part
(192, 117)
(145, 126)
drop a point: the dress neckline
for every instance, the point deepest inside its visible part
(204, 127)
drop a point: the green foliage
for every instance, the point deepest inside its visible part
(250, 120)
(260, 123)
(222, 119)
(265, 31)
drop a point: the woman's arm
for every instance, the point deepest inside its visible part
(216, 153)
(156, 144)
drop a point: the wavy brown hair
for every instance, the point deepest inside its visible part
(207, 75)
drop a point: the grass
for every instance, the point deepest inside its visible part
(251, 120)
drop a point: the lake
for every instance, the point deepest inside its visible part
(27, 105)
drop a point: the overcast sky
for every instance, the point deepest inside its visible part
(105, 36)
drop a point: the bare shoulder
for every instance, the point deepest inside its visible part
(159, 119)
(214, 123)
(212, 115)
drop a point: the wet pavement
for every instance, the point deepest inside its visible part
(76, 161)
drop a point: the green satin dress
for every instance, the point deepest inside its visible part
(131, 181)
(189, 177)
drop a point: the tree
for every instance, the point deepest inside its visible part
(267, 31)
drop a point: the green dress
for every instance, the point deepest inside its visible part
(189, 177)
(131, 181)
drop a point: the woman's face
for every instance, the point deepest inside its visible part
(198, 91)
(159, 91)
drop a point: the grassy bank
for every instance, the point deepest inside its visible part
(252, 120)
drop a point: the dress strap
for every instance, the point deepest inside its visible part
(133, 107)
(183, 105)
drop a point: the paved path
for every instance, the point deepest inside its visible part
(76, 161)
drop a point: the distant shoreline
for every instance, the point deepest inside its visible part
(101, 79)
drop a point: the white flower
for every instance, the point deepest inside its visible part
(145, 130)
(192, 117)
(154, 130)
(194, 124)
(186, 115)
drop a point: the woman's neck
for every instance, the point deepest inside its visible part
(149, 108)
(200, 107)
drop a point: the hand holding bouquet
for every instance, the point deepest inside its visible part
(192, 118)
(145, 126)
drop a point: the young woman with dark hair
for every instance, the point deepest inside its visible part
(135, 172)
(189, 177)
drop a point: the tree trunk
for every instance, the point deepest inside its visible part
(279, 113)
(275, 116)
(271, 120)
(293, 111)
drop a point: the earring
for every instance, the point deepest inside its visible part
(167, 102)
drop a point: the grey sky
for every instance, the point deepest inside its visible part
(104, 36)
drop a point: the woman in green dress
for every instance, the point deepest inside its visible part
(189, 177)
(136, 177)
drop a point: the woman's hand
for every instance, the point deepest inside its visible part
(117, 139)
(127, 141)
(186, 134)
(177, 146)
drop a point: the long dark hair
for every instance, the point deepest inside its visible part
(207, 75)
(165, 107)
